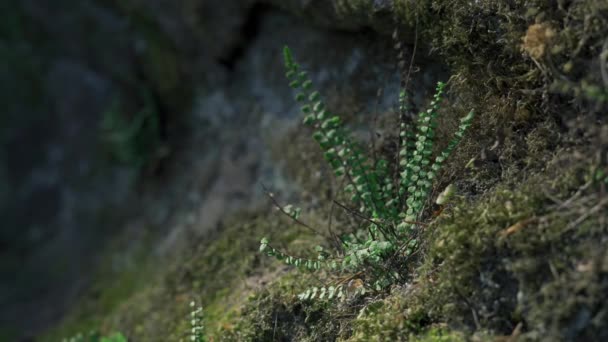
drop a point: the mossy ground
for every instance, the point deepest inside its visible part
(521, 253)
(221, 272)
(124, 269)
(509, 263)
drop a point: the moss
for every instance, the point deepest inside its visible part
(398, 318)
(354, 10)
(470, 281)
(511, 257)
(271, 310)
(220, 272)
(388, 319)
(439, 335)
(275, 313)
(124, 269)
(509, 49)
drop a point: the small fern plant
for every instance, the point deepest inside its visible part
(390, 198)
(197, 327)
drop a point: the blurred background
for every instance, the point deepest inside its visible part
(147, 117)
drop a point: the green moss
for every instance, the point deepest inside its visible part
(388, 319)
(499, 50)
(353, 10)
(124, 269)
(511, 257)
(220, 272)
(398, 317)
(275, 313)
(253, 284)
(439, 335)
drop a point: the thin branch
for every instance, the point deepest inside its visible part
(409, 71)
(278, 206)
(471, 306)
(575, 196)
(374, 126)
(603, 62)
(349, 278)
(355, 213)
(335, 239)
(586, 215)
(403, 112)
(274, 330)
(402, 247)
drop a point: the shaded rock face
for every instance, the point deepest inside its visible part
(55, 173)
(66, 200)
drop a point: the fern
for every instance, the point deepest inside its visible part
(392, 207)
(197, 328)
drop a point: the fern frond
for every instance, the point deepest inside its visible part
(391, 205)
